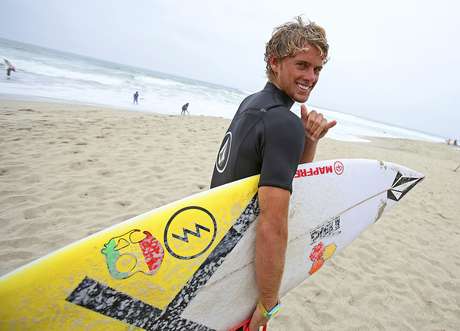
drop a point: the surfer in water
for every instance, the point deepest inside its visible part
(9, 68)
(266, 137)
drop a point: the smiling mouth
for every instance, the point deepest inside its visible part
(303, 87)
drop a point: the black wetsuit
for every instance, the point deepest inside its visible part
(264, 137)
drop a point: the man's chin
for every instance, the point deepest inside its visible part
(301, 98)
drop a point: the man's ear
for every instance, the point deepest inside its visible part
(274, 64)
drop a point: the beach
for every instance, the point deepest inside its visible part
(68, 171)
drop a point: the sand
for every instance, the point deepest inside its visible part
(67, 171)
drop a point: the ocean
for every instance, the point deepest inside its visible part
(46, 73)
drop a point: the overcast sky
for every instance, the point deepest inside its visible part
(395, 61)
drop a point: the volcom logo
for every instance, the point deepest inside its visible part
(224, 153)
(401, 185)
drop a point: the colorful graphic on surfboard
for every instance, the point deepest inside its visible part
(319, 255)
(128, 254)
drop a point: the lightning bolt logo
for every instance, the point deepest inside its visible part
(186, 232)
(185, 239)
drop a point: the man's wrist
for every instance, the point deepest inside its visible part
(310, 141)
(268, 313)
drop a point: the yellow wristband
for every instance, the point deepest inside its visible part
(270, 313)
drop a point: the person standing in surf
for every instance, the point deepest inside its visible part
(185, 109)
(266, 137)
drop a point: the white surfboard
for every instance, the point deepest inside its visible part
(331, 204)
(189, 265)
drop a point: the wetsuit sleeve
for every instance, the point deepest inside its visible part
(283, 144)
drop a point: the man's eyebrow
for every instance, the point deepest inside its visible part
(307, 62)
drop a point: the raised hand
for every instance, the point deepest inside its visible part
(315, 124)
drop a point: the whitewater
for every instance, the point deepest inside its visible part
(62, 76)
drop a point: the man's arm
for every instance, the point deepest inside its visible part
(271, 242)
(316, 127)
(309, 151)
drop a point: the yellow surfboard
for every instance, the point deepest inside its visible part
(140, 273)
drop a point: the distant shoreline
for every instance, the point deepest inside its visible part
(352, 138)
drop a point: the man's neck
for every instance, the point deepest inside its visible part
(276, 85)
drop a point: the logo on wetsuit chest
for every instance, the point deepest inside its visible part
(224, 153)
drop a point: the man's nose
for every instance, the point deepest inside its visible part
(310, 75)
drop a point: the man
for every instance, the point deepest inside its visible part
(265, 137)
(136, 98)
(185, 109)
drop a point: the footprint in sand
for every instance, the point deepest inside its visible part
(77, 165)
(105, 173)
(32, 179)
(34, 212)
(124, 203)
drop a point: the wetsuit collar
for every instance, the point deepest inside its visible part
(283, 97)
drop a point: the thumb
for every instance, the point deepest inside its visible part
(303, 112)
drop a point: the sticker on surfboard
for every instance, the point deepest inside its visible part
(319, 254)
(133, 252)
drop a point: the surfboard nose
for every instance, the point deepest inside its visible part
(405, 180)
(408, 172)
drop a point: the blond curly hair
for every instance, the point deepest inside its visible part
(290, 38)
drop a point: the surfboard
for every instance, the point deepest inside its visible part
(189, 265)
(8, 64)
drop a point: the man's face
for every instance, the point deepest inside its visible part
(297, 75)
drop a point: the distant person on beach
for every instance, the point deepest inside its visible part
(136, 98)
(452, 142)
(9, 68)
(266, 138)
(184, 109)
